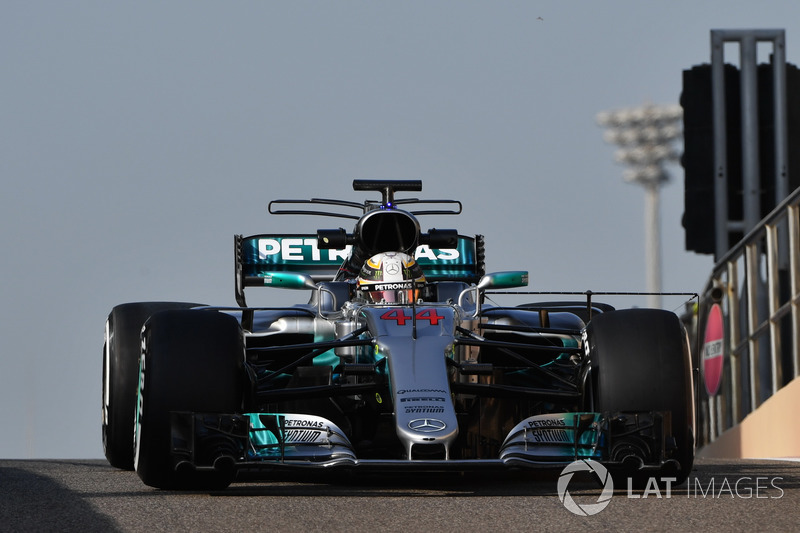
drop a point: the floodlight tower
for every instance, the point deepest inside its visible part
(646, 136)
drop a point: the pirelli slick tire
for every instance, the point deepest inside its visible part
(640, 361)
(121, 351)
(192, 361)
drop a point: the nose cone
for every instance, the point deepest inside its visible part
(431, 432)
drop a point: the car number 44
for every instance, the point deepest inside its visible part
(400, 316)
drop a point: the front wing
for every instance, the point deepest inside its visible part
(274, 442)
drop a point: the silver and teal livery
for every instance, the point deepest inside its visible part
(450, 381)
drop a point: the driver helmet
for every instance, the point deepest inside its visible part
(390, 277)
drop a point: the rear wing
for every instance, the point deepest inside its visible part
(257, 256)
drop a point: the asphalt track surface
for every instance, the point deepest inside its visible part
(85, 495)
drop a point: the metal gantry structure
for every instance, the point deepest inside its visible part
(751, 152)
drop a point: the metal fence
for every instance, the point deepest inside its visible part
(756, 285)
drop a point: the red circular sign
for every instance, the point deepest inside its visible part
(713, 350)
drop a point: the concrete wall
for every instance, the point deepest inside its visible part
(772, 430)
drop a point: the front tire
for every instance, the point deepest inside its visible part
(121, 351)
(640, 361)
(192, 362)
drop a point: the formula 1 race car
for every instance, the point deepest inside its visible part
(396, 363)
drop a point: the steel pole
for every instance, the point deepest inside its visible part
(653, 244)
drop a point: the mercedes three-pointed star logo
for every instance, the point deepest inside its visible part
(392, 269)
(427, 425)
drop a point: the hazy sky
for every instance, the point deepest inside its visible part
(136, 138)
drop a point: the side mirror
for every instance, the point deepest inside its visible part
(495, 280)
(504, 280)
(289, 280)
